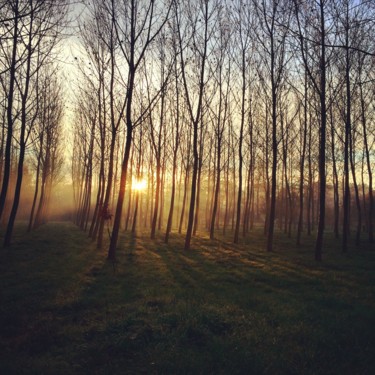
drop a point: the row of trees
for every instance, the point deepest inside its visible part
(234, 113)
(201, 115)
(31, 106)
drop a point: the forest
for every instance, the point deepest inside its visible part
(187, 179)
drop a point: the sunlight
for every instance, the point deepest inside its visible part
(139, 185)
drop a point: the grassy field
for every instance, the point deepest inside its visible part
(218, 309)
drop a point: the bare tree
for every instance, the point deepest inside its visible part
(137, 26)
(274, 18)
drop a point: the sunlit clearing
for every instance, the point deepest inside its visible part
(139, 185)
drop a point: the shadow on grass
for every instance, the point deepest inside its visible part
(219, 308)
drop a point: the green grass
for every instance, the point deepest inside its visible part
(217, 309)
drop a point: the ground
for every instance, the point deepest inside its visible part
(217, 309)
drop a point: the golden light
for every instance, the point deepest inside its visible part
(139, 185)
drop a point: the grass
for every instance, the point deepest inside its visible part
(217, 309)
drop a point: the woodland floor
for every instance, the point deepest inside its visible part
(217, 309)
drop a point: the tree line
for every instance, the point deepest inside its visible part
(208, 116)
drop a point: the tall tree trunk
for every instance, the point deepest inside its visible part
(322, 134)
(157, 196)
(302, 165)
(184, 198)
(31, 219)
(336, 195)
(217, 189)
(173, 192)
(356, 190)
(240, 156)
(10, 98)
(271, 220)
(369, 170)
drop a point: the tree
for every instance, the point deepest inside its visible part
(318, 77)
(137, 26)
(199, 17)
(274, 18)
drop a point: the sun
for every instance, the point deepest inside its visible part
(139, 185)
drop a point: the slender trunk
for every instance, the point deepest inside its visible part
(369, 170)
(105, 206)
(217, 189)
(240, 156)
(171, 207)
(36, 187)
(162, 184)
(10, 97)
(336, 195)
(186, 182)
(345, 229)
(302, 167)
(246, 216)
(17, 194)
(356, 190)
(157, 195)
(193, 187)
(197, 204)
(226, 188)
(131, 194)
(24, 98)
(271, 221)
(266, 177)
(128, 143)
(322, 147)
(195, 123)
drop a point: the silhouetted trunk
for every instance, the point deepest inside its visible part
(173, 192)
(302, 165)
(139, 162)
(217, 189)
(226, 173)
(102, 113)
(346, 202)
(105, 214)
(310, 185)
(186, 182)
(128, 143)
(272, 212)
(121, 193)
(240, 156)
(162, 185)
(99, 203)
(336, 195)
(369, 170)
(157, 195)
(356, 190)
(31, 219)
(10, 97)
(246, 216)
(17, 193)
(322, 134)
(105, 206)
(197, 204)
(131, 193)
(193, 187)
(288, 209)
(266, 174)
(23, 135)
